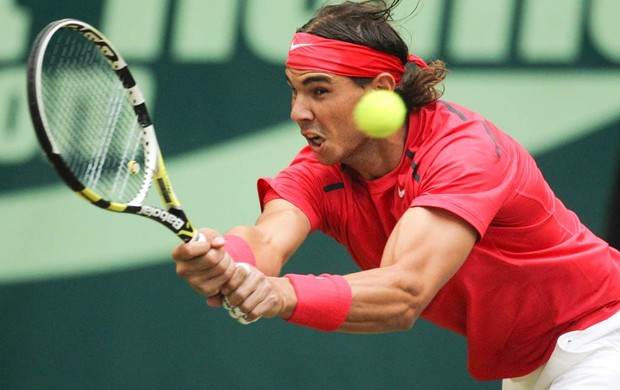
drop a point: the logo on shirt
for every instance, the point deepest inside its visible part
(401, 192)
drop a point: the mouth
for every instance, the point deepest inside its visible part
(315, 141)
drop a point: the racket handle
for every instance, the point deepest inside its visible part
(199, 237)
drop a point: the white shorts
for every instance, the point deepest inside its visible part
(586, 359)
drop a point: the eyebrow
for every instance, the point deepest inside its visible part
(312, 79)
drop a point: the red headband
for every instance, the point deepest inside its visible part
(309, 51)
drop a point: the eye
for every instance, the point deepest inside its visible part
(319, 92)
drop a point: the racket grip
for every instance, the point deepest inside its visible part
(199, 237)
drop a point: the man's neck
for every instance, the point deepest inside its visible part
(378, 157)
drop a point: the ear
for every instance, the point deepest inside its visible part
(384, 81)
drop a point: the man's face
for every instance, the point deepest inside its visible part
(322, 105)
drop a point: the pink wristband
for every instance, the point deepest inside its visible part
(239, 250)
(323, 302)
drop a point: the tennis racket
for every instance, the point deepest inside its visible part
(93, 125)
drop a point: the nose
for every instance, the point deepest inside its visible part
(300, 110)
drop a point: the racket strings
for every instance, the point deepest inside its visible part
(93, 125)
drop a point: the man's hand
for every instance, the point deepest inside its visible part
(204, 265)
(250, 295)
(243, 290)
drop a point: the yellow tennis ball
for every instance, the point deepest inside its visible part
(380, 113)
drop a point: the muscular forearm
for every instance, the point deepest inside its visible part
(374, 301)
(382, 302)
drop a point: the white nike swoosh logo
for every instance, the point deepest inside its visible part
(298, 45)
(401, 192)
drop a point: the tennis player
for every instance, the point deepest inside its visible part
(449, 219)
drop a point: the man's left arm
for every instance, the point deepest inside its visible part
(425, 249)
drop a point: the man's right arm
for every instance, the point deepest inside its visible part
(278, 232)
(208, 268)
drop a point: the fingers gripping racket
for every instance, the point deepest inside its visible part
(93, 125)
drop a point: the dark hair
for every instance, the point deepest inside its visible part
(369, 23)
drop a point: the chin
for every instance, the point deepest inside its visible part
(326, 160)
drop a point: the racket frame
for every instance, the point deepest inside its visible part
(173, 216)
